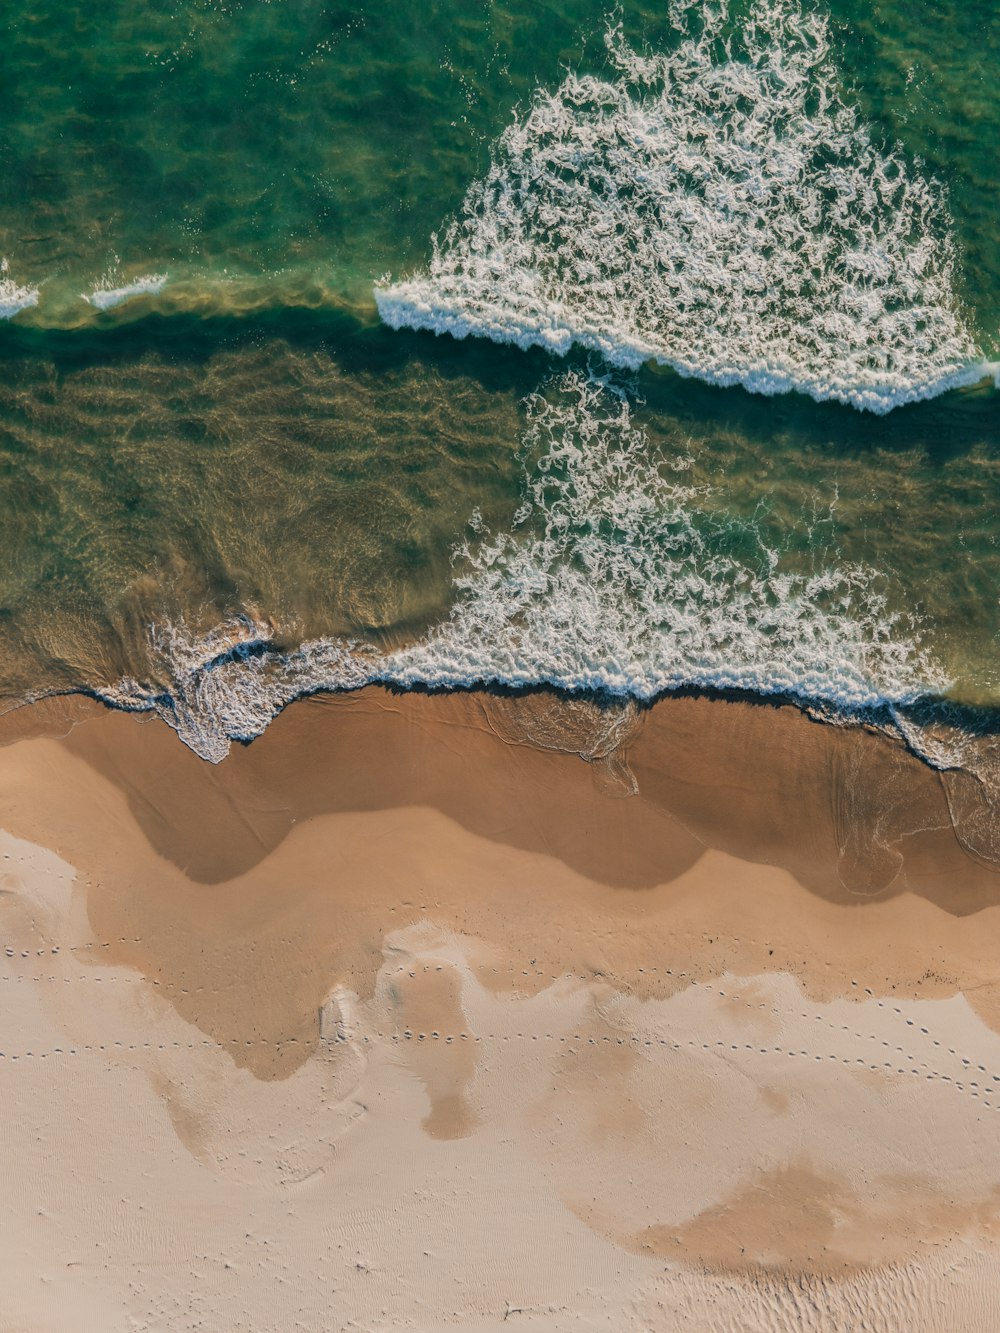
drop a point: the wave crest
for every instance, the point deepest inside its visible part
(719, 208)
(13, 297)
(228, 685)
(615, 577)
(107, 296)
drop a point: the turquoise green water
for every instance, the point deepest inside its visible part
(250, 439)
(301, 154)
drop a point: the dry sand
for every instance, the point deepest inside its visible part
(399, 1019)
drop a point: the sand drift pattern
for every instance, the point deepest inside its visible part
(719, 208)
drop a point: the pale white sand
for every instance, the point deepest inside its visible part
(395, 1072)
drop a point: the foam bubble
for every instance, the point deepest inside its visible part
(13, 297)
(615, 577)
(230, 683)
(965, 748)
(106, 296)
(719, 208)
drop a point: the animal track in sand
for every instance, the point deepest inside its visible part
(692, 984)
(573, 1041)
(576, 1041)
(915, 1050)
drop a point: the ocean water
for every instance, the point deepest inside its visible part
(622, 351)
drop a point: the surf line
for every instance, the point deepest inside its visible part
(719, 208)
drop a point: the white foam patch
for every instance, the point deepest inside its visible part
(13, 297)
(107, 296)
(615, 577)
(965, 748)
(229, 684)
(719, 208)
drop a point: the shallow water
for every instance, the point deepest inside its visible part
(201, 416)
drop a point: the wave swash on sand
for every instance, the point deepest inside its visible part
(613, 578)
(719, 208)
(722, 209)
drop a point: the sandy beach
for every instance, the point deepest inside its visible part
(468, 1011)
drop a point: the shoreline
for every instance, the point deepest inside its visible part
(692, 1015)
(853, 816)
(960, 745)
(900, 720)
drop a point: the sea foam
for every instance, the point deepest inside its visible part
(719, 208)
(13, 297)
(616, 576)
(106, 296)
(227, 685)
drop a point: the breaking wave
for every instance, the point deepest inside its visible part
(719, 208)
(615, 577)
(227, 685)
(13, 297)
(965, 749)
(106, 296)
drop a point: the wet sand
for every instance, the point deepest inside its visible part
(403, 1017)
